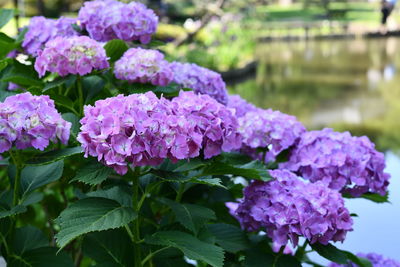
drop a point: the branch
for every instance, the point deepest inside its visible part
(214, 9)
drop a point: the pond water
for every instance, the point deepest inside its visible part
(347, 85)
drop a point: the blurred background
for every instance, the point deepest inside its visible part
(330, 63)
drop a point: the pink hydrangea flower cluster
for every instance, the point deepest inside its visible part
(341, 161)
(213, 121)
(143, 66)
(289, 207)
(240, 105)
(30, 121)
(201, 80)
(268, 129)
(74, 55)
(105, 20)
(42, 30)
(375, 259)
(141, 129)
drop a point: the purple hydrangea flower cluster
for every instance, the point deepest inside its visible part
(240, 105)
(268, 129)
(214, 122)
(42, 30)
(74, 55)
(289, 207)
(143, 66)
(30, 121)
(201, 80)
(341, 161)
(141, 129)
(110, 19)
(375, 259)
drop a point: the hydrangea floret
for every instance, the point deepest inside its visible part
(341, 161)
(289, 207)
(30, 121)
(41, 30)
(201, 80)
(376, 260)
(143, 66)
(240, 105)
(74, 55)
(268, 129)
(110, 19)
(214, 122)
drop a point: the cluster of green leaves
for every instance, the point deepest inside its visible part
(58, 208)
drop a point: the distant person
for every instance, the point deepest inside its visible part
(387, 7)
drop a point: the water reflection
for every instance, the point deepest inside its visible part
(345, 84)
(348, 85)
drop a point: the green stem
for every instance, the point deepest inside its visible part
(179, 195)
(17, 180)
(278, 256)
(301, 250)
(80, 92)
(151, 255)
(136, 222)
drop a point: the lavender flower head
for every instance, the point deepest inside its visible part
(30, 121)
(109, 19)
(74, 55)
(201, 80)
(138, 129)
(375, 259)
(341, 161)
(212, 121)
(240, 105)
(268, 129)
(143, 66)
(42, 30)
(288, 207)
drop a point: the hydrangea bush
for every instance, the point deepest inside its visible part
(110, 155)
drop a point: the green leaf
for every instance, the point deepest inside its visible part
(188, 165)
(253, 170)
(193, 217)
(5, 48)
(361, 262)
(94, 173)
(171, 176)
(41, 257)
(208, 181)
(35, 176)
(371, 196)
(5, 16)
(89, 215)
(257, 258)
(330, 252)
(22, 74)
(55, 155)
(287, 260)
(116, 193)
(58, 82)
(192, 247)
(72, 118)
(110, 248)
(376, 197)
(115, 49)
(28, 238)
(229, 237)
(32, 198)
(63, 101)
(92, 85)
(13, 211)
